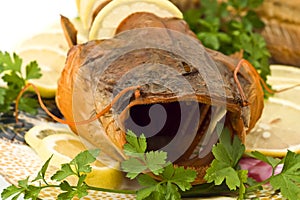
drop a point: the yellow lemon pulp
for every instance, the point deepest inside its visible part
(49, 48)
(278, 129)
(36, 134)
(86, 9)
(109, 18)
(64, 146)
(51, 63)
(50, 39)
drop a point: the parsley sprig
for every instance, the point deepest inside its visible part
(232, 26)
(225, 169)
(173, 180)
(160, 180)
(15, 80)
(79, 167)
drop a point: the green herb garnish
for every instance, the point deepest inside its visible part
(15, 80)
(225, 169)
(230, 27)
(224, 175)
(173, 180)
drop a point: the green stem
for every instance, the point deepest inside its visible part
(96, 189)
(112, 190)
(49, 186)
(254, 187)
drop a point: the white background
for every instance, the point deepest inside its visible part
(21, 18)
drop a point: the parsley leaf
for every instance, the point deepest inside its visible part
(71, 192)
(2, 94)
(134, 144)
(225, 166)
(15, 80)
(64, 172)
(140, 163)
(288, 181)
(79, 166)
(274, 162)
(41, 174)
(23, 187)
(229, 27)
(28, 105)
(32, 71)
(83, 160)
(174, 180)
(179, 176)
(12, 191)
(171, 182)
(7, 62)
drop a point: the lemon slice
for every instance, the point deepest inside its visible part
(278, 129)
(53, 37)
(109, 18)
(78, 5)
(285, 77)
(82, 34)
(86, 9)
(49, 39)
(292, 95)
(85, 12)
(64, 146)
(36, 134)
(285, 72)
(51, 63)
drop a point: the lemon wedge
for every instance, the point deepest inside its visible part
(278, 129)
(109, 18)
(64, 146)
(51, 62)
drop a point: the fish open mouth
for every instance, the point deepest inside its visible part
(180, 128)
